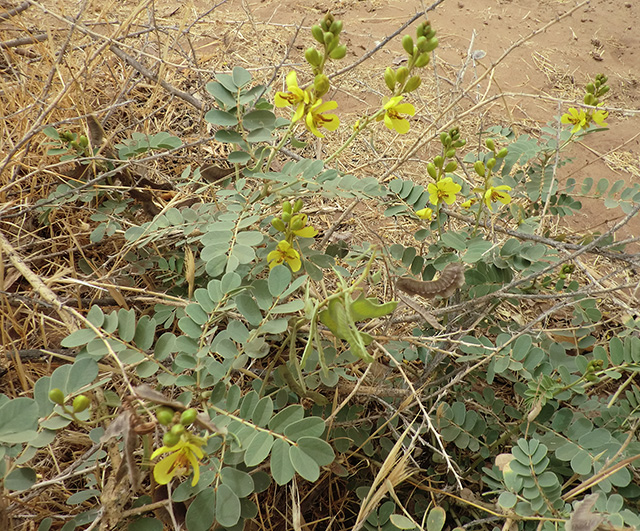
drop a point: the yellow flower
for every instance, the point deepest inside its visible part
(469, 203)
(497, 193)
(444, 190)
(182, 456)
(315, 119)
(599, 117)
(294, 96)
(425, 213)
(300, 228)
(284, 252)
(575, 117)
(392, 118)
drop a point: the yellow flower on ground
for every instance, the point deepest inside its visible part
(300, 228)
(599, 117)
(425, 213)
(294, 97)
(497, 193)
(315, 119)
(284, 252)
(469, 203)
(182, 456)
(392, 118)
(575, 117)
(444, 190)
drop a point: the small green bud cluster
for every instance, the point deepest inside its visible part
(450, 141)
(481, 168)
(167, 417)
(79, 404)
(592, 367)
(327, 33)
(401, 81)
(595, 90)
(288, 218)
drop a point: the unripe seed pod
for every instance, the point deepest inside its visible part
(451, 166)
(312, 56)
(432, 171)
(438, 161)
(188, 416)
(451, 153)
(336, 27)
(502, 153)
(278, 224)
(170, 439)
(490, 144)
(390, 78)
(338, 52)
(80, 403)
(286, 207)
(491, 163)
(402, 74)
(423, 60)
(478, 166)
(297, 206)
(413, 83)
(56, 396)
(317, 33)
(165, 415)
(407, 44)
(286, 217)
(177, 429)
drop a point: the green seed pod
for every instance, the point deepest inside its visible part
(165, 415)
(287, 207)
(321, 85)
(451, 166)
(413, 83)
(502, 153)
(317, 33)
(407, 44)
(177, 429)
(80, 403)
(312, 56)
(438, 161)
(591, 88)
(490, 144)
(56, 396)
(188, 416)
(390, 78)
(491, 163)
(336, 27)
(432, 171)
(432, 44)
(170, 439)
(278, 224)
(479, 168)
(451, 153)
(286, 217)
(402, 74)
(297, 206)
(423, 60)
(338, 52)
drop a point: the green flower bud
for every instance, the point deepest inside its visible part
(451, 153)
(478, 166)
(328, 38)
(177, 429)
(591, 88)
(338, 52)
(336, 27)
(454, 133)
(170, 439)
(590, 99)
(80, 403)
(165, 415)
(83, 141)
(327, 21)
(491, 163)
(490, 144)
(413, 83)
(297, 206)
(278, 224)
(297, 222)
(451, 166)
(591, 377)
(188, 416)
(432, 44)
(390, 78)
(407, 44)
(425, 30)
(445, 140)
(287, 207)
(286, 217)
(603, 90)
(460, 143)
(502, 153)
(432, 171)
(56, 396)
(317, 33)
(438, 161)
(321, 85)
(423, 60)
(312, 56)
(402, 74)
(421, 44)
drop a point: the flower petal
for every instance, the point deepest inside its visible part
(164, 470)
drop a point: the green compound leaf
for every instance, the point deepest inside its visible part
(20, 479)
(279, 278)
(307, 427)
(282, 469)
(259, 448)
(222, 118)
(78, 338)
(304, 464)
(201, 512)
(227, 506)
(238, 481)
(287, 416)
(320, 451)
(249, 309)
(126, 324)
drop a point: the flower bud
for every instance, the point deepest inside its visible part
(286, 207)
(317, 33)
(188, 416)
(604, 90)
(297, 206)
(502, 153)
(83, 141)
(444, 139)
(460, 143)
(478, 166)
(413, 83)
(56, 396)
(312, 56)
(432, 44)
(438, 161)
(390, 78)
(402, 74)
(286, 217)
(321, 85)
(327, 21)
(407, 44)
(165, 415)
(80, 403)
(454, 133)
(591, 88)
(590, 99)
(338, 52)
(297, 222)
(278, 224)
(328, 38)
(451, 153)
(170, 439)
(177, 429)
(423, 60)
(451, 166)
(336, 27)
(421, 44)
(490, 144)
(432, 171)
(491, 163)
